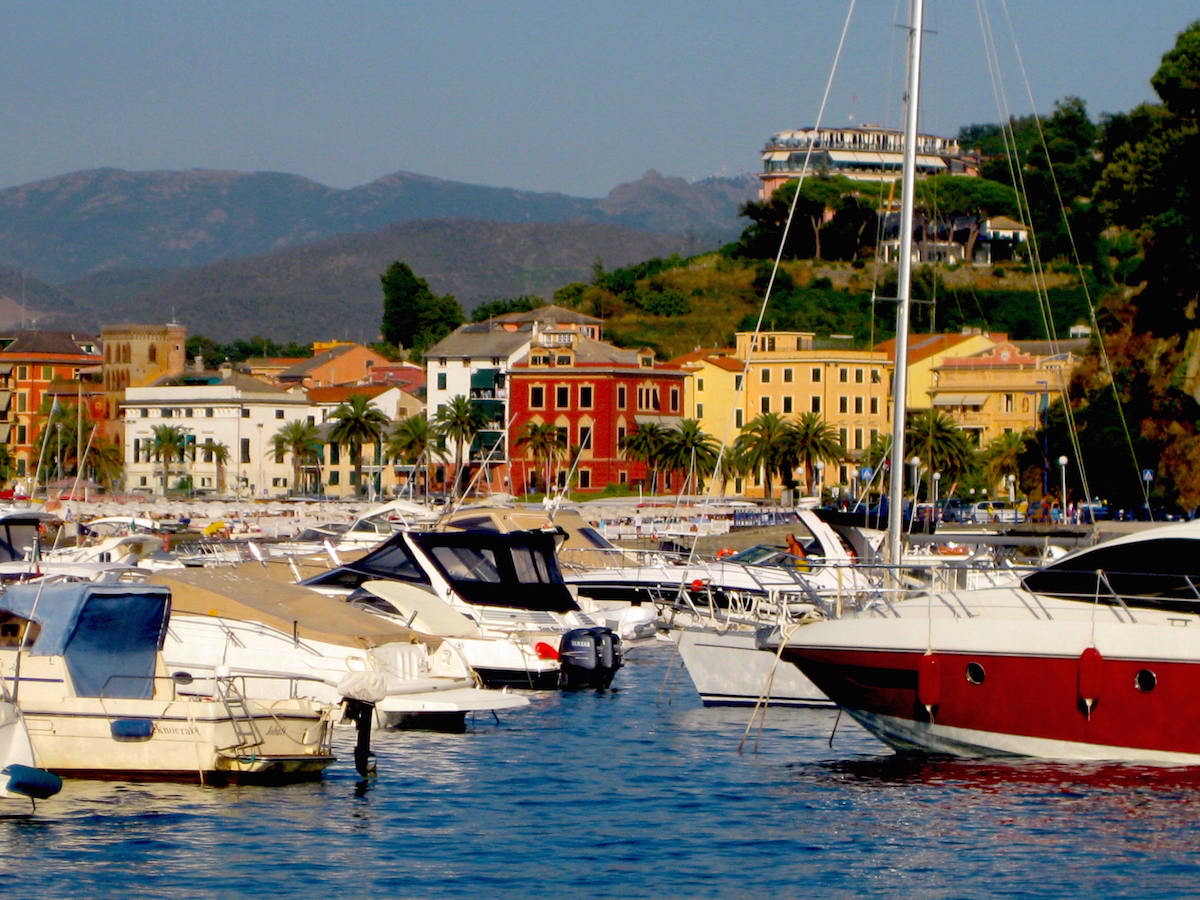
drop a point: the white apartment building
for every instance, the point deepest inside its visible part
(226, 408)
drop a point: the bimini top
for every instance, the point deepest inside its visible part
(1157, 567)
(109, 635)
(485, 568)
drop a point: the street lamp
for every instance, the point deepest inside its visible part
(1062, 468)
(819, 466)
(915, 462)
(937, 477)
(1012, 488)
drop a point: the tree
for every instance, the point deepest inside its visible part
(524, 303)
(168, 444)
(459, 421)
(413, 316)
(645, 444)
(545, 443)
(765, 444)
(106, 461)
(814, 441)
(414, 440)
(218, 453)
(302, 441)
(941, 445)
(1002, 458)
(7, 465)
(956, 204)
(689, 449)
(357, 422)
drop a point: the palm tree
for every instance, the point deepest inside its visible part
(412, 440)
(218, 453)
(644, 444)
(168, 444)
(459, 421)
(814, 441)
(689, 448)
(942, 446)
(7, 466)
(1002, 457)
(303, 441)
(106, 461)
(545, 443)
(357, 422)
(765, 445)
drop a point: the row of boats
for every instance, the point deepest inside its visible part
(238, 666)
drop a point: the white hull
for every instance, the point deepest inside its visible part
(728, 669)
(414, 681)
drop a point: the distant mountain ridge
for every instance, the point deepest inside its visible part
(73, 226)
(233, 255)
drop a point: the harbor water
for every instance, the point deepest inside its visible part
(634, 792)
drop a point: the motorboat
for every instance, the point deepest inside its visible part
(85, 666)
(1091, 657)
(284, 640)
(372, 527)
(498, 598)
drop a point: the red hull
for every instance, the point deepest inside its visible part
(1023, 696)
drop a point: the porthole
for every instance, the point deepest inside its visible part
(975, 673)
(1145, 680)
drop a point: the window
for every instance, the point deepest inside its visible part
(858, 405)
(699, 384)
(335, 478)
(623, 477)
(245, 450)
(699, 410)
(585, 437)
(843, 375)
(562, 360)
(737, 382)
(842, 436)
(622, 397)
(787, 376)
(843, 404)
(562, 396)
(22, 373)
(816, 375)
(764, 376)
(187, 413)
(765, 404)
(208, 413)
(737, 418)
(165, 412)
(441, 381)
(621, 432)
(674, 399)
(564, 436)
(245, 413)
(585, 478)
(875, 376)
(874, 406)
(335, 454)
(787, 404)
(47, 373)
(858, 438)
(1008, 403)
(858, 376)
(815, 405)
(537, 396)
(145, 413)
(279, 413)
(585, 396)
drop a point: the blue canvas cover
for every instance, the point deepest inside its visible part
(109, 635)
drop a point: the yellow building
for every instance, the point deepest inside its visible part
(710, 391)
(928, 351)
(792, 373)
(1004, 389)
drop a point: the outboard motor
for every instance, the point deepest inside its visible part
(589, 658)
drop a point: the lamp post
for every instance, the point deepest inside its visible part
(1012, 488)
(1062, 469)
(819, 466)
(915, 462)
(937, 477)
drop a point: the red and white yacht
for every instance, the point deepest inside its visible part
(1093, 657)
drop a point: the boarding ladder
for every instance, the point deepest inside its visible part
(244, 728)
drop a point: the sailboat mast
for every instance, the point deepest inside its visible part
(904, 282)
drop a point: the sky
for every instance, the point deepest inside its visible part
(545, 95)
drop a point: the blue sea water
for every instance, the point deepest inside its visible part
(636, 792)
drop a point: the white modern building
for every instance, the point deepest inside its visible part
(223, 408)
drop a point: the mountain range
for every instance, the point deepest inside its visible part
(234, 255)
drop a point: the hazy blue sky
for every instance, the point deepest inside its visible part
(548, 95)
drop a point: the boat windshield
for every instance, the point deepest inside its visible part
(1159, 572)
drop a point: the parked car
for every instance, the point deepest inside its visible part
(1091, 511)
(996, 511)
(955, 510)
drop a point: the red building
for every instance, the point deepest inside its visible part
(594, 394)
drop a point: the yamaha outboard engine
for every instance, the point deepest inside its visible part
(589, 658)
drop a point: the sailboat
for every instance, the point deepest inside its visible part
(1092, 657)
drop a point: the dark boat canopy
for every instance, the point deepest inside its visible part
(485, 568)
(1155, 568)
